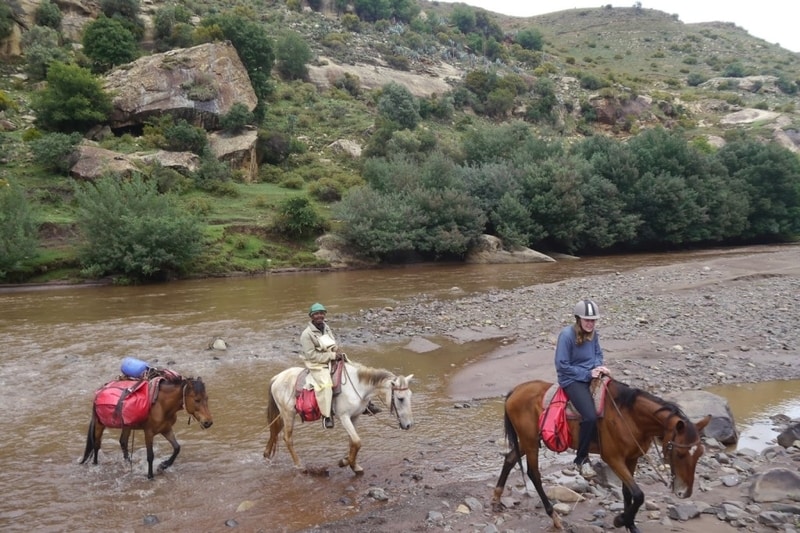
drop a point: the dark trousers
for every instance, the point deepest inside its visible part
(581, 397)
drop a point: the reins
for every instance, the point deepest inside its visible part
(392, 408)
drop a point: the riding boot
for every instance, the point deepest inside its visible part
(586, 434)
(371, 409)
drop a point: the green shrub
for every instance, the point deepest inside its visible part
(42, 47)
(183, 137)
(108, 43)
(291, 180)
(326, 190)
(296, 217)
(73, 100)
(131, 229)
(236, 118)
(48, 14)
(56, 151)
(18, 230)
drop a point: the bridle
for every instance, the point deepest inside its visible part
(669, 448)
(393, 406)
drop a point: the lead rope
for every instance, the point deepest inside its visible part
(630, 432)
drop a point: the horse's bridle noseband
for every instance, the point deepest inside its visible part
(393, 407)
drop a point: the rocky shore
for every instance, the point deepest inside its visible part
(730, 318)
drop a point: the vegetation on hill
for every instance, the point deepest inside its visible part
(582, 131)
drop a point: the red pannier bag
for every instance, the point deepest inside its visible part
(306, 405)
(553, 425)
(123, 403)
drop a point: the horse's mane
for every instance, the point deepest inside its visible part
(626, 396)
(373, 376)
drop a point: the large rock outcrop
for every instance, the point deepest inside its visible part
(198, 84)
(75, 15)
(238, 150)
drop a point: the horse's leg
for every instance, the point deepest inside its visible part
(532, 454)
(632, 495)
(124, 439)
(288, 431)
(94, 437)
(176, 449)
(148, 442)
(355, 446)
(511, 459)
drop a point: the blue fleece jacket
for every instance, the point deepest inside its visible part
(573, 362)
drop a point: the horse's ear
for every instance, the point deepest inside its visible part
(408, 377)
(702, 423)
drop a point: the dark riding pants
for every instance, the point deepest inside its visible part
(581, 397)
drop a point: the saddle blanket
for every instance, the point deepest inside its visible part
(598, 394)
(123, 403)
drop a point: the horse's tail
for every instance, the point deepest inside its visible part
(275, 421)
(90, 438)
(511, 436)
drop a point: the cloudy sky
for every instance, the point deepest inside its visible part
(775, 21)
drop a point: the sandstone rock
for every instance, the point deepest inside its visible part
(239, 150)
(95, 162)
(697, 404)
(489, 250)
(199, 84)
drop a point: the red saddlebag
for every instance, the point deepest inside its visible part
(122, 403)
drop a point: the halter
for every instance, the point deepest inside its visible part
(392, 407)
(669, 447)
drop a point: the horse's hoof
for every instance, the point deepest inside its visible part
(619, 521)
(343, 463)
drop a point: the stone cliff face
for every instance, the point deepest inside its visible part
(198, 84)
(75, 13)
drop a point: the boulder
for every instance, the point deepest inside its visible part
(790, 435)
(198, 84)
(776, 485)
(183, 162)
(238, 150)
(95, 162)
(489, 250)
(697, 404)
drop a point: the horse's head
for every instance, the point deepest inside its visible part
(682, 449)
(401, 401)
(195, 400)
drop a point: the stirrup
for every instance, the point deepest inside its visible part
(327, 422)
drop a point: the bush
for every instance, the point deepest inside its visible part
(6, 22)
(399, 106)
(237, 118)
(48, 14)
(297, 218)
(73, 100)
(131, 229)
(183, 137)
(41, 45)
(56, 151)
(292, 53)
(108, 43)
(326, 190)
(18, 229)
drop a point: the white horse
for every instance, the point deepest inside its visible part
(360, 384)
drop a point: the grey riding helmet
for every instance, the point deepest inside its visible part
(587, 309)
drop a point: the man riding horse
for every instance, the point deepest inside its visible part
(320, 350)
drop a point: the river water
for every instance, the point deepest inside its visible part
(60, 344)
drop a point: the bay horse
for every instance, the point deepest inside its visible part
(173, 396)
(632, 420)
(360, 384)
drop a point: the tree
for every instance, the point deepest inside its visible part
(463, 18)
(254, 46)
(296, 217)
(18, 229)
(292, 53)
(172, 27)
(73, 100)
(530, 39)
(42, 47)
(6, 21)
(131, 229)
(48, 14)
(399, 106)
(108, 43)
(237, 118)
(56, 151)
(373, 10)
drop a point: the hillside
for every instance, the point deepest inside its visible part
(629, 69)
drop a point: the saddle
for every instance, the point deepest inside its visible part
(557, 410)
(598, 395)
(125, 402)
(306, 399)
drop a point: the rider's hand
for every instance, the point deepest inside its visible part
(600, 370)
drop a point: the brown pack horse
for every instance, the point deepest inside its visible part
(632, 419)
(172, 397)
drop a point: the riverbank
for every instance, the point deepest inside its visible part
(727, 319)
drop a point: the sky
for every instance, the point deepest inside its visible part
(775, 21)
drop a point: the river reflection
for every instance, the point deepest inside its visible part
(59, 345)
